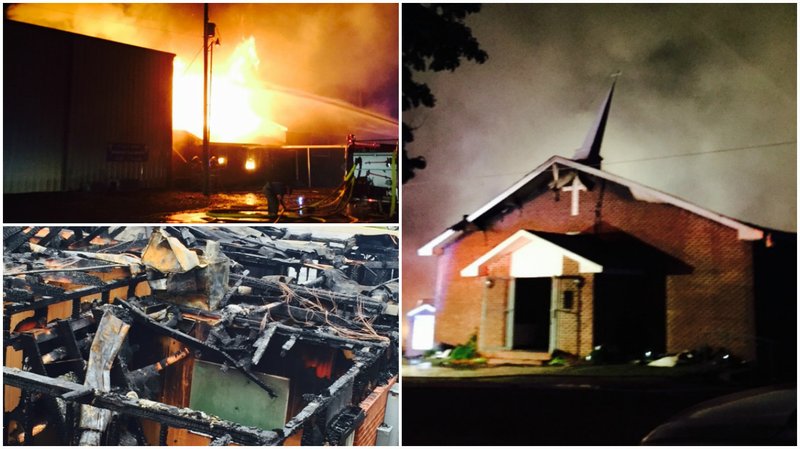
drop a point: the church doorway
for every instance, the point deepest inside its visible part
(530, 324)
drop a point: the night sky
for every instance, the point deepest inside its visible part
(695, 79)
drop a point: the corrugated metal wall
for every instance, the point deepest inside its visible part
(34, 107)
(95, 94)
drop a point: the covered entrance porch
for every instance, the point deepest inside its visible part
(545, 292)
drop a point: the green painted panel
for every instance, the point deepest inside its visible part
(232, 396)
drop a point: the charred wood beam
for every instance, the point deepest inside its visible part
(221, 441)
(74, 273)
(377, 264)
(223, 236)
(182, 234)
(257, 259)
(262, 249)
(343, 424)
(15, 241)
(52, 232)
(46, 301)
(224, 301)
(183, 418)
(262, 342)
(288, 345)
(44, 289)
(91, 235)
(195, 344)
(111, 333)
(8, 231)
(49, 339)
(113, 232)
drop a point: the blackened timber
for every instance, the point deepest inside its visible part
(352, 302)
(111, 333)
(183, 418)
(74, 294)
(13, 243)
(224, 301)
(51, 232)
(71, 347)
(260, 249)
(258, 259)
(378, 264)
(193, 343)
(344, 424)
(85, 241)
(262, 342)
(288, 345)
(53, 335)
(182, 234)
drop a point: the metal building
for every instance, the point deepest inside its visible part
(83, 113)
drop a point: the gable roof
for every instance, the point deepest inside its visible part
(522, 239)
(639, 192)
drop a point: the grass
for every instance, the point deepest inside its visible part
(613, 372)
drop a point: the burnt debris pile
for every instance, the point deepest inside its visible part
(185, 336)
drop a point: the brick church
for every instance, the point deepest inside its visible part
(571, 257)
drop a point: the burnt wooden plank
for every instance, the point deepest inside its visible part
(46, 301)
(111, 333)
(168, 415)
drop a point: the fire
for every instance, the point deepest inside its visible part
(239, 105)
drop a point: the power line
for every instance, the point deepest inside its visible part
(700, 153)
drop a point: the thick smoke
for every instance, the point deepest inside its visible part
(696, 78)
(345, 52)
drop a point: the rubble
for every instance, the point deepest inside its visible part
(105, 329)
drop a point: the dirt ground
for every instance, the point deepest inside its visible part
(158, 206)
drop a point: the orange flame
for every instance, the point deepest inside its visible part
(239, 106)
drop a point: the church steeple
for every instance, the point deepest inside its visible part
(589, 152)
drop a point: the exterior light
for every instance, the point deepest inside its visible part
(250, 165)
(221, 160)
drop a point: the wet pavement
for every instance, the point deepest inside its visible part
(158, 206)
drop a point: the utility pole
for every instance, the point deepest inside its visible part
(205, 101)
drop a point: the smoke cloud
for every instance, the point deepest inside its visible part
(695, 78)
(314, 59)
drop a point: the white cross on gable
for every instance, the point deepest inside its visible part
(575, 188)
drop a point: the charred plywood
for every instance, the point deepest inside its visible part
(310, 323)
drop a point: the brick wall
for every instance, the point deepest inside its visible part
(712, 305)
(374, 407)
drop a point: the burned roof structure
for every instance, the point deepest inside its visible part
(197, 335)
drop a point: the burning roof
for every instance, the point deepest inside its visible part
(189, 335)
